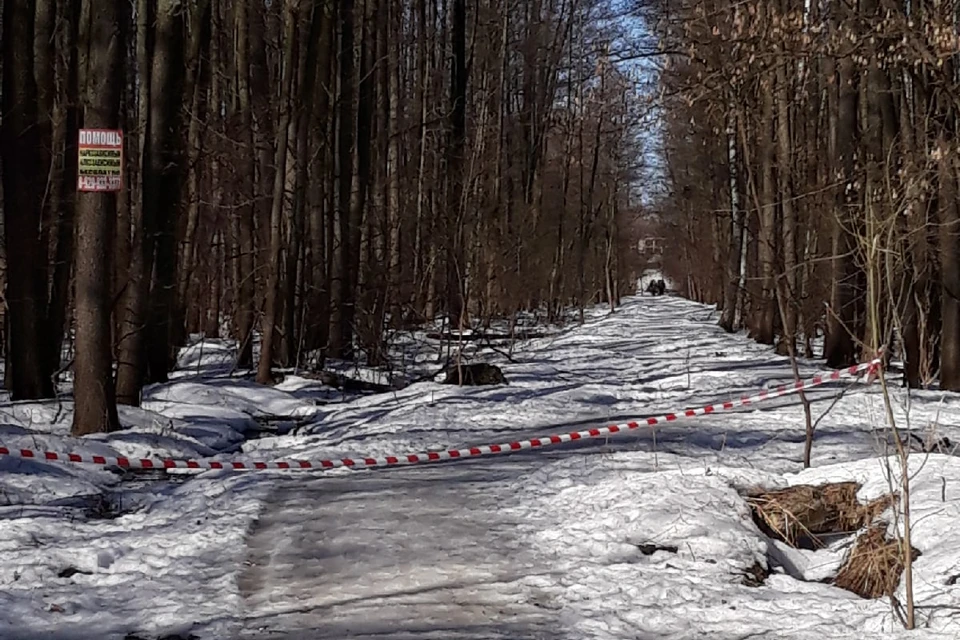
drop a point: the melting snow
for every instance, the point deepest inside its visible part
(643, 535)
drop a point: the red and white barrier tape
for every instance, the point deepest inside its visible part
(452, 454)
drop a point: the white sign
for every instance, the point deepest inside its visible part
(100, 160)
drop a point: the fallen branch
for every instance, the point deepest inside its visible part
(479, 335)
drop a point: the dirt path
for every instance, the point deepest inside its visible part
(412, 553)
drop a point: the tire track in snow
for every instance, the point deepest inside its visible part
(417, 553)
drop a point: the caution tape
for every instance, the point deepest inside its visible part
(452, 454)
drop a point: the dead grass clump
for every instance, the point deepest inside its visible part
(797, 514)
(869, 512)
(874, 565)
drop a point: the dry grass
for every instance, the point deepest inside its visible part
(797, 514)
(874, 565)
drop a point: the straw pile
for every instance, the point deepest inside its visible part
(873, 567)
(797, 514)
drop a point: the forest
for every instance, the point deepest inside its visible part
(305, 176)
(811, 154)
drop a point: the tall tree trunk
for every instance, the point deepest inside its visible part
(288, 72)
(131, 348)
(306, 88)
(341, 299)
(767, 215)
(44, 71)
(420, 265)
(456, 264)
(321, 181)
(188, 247)
(358, 240)
(840, 349)
(123, 242)
(246, 176)
(63, 254)
(914, 239)
(392, 39)
(731, 299)
(24, 180)
(262, 84)
(949, 270)
(555, 298)
(95, 407)
(789, 286)
(218, 71)
(162, 178)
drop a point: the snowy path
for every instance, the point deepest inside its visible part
(414, 553)
(555, 543)
(645, 536)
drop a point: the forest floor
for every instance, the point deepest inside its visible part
(646, 534)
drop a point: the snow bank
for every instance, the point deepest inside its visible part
(170, 566)
(244, 396)
(665, 553)
(86, 548)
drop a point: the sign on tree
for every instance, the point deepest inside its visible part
(100, 154)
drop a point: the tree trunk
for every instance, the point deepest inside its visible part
(914, 239)
(263, 96)
(767, 216)
(188, 247)
(789, 214)
(731, 299)
(949, 271)
(246, 177)
(840, 348)
(418, 296)
(131, 347)
(95, 407)
(341, 299)
(24, 180)
(358, 240)
(162, 178)
(211, 328)
(218, 71)
(268, 342)
(321, 181)
(456, 265)
(306, 88)
(393, 31)
(63, 254)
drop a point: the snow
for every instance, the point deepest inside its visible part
(642, 535)
(172, 562)
(230, 393)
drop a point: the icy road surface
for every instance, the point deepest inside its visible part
(414, 553)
